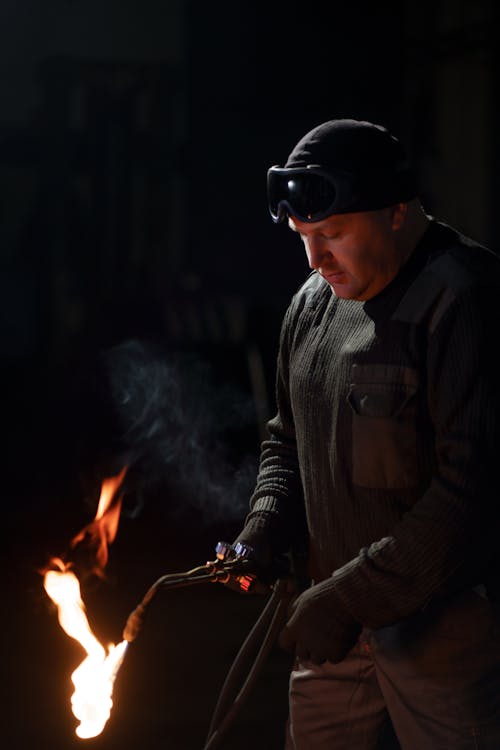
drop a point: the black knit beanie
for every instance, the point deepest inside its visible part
(366, 151)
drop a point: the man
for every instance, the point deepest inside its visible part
(384, 451)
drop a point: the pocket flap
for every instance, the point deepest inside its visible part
(381, 390)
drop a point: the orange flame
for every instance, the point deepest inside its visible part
(94, 677)
(102, 530)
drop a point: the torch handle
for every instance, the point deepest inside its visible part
(200, 574)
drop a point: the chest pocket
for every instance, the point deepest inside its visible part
(383, 401)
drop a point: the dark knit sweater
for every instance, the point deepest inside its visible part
(387, 431)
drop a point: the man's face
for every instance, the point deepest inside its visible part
(357, 253)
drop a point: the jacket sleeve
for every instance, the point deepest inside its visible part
(446, 540)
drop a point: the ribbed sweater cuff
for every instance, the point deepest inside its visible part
(356, 592)
(266, 503)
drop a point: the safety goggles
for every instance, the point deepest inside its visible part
(309, 193)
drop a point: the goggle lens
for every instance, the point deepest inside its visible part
(310, 194)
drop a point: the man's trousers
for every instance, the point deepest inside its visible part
(431, 682)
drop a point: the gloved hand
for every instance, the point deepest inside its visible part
(267, 565)
(319, 627)
(246, 577)
(240, 568)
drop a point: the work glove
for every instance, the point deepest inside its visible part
(256, 543)
(249, 579)
(319, 628)
(268, 565)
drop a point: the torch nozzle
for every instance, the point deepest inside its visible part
(135, 618)
(134, 623)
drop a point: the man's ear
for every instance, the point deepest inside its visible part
(399, 212)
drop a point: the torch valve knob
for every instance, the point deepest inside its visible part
(223, 550)
(226, 552)
(243, 551)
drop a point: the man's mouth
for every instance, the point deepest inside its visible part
(333, 278)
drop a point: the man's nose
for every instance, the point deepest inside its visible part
(317, 253)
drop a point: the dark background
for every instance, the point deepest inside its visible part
(142, 285)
